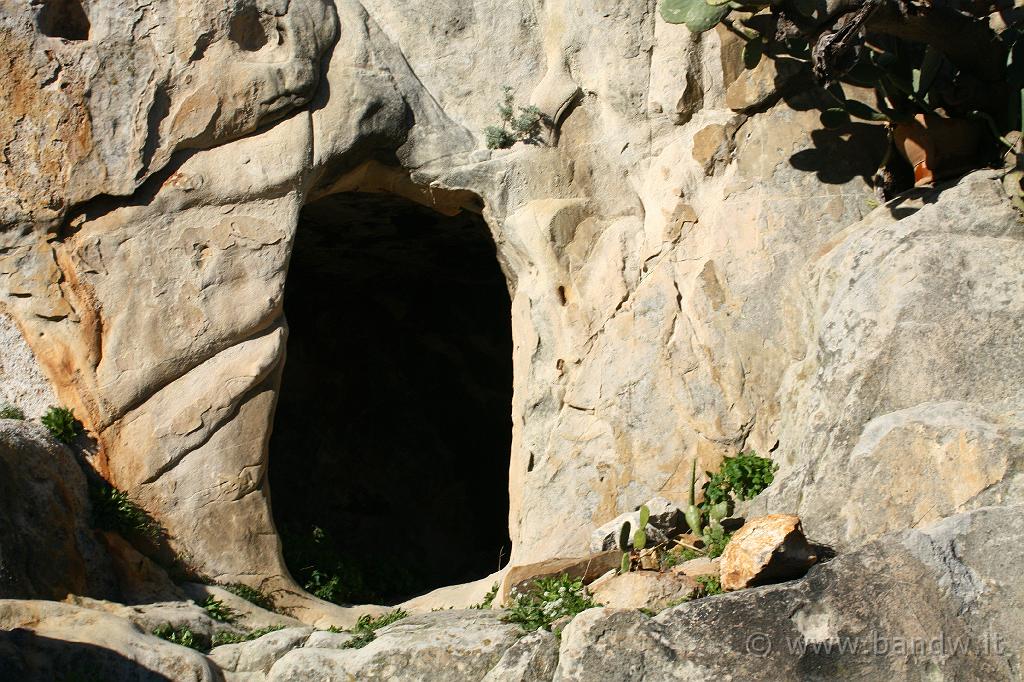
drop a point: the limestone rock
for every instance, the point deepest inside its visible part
(245, 614)
(700, 566)
(42, 640)
(458, 645)
(665, 522)
(520, 578)
(654, 590)
(258, 655)
(531, 659)
(139, 579)
(945, 589)
(47, 549)
(766, 549)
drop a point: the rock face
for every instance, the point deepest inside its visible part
(767, 549)
(692, 270)
(47, 549)
(645, 589)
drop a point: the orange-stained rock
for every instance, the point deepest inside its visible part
(766, 549)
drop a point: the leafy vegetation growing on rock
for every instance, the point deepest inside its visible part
(226, 637)
(709, 585)
(941, 74)
(218, 610)
(113, 510)
(182, 636)
(365, 629)
(549, 600)
(62, 424)
(522, 127)
(488, 601)
(251, 595)
(9, 411)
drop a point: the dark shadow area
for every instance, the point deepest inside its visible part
(63, 19)
(389, 453)
(28, 657)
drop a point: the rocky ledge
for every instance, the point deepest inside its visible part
(939, 601)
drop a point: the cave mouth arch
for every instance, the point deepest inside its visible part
(389, 453)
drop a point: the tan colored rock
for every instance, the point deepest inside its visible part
(766, 549)
(699, 566)
(520, 578)
(654, 590)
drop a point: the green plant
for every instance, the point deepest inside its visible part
(488, 598)
(715, 539)
(225, 637)
(113, 510)
(678, 555)
(945, 60)
(9, 411)
(548, 600)
(217, 610)
(744, 476)
(182, 636)
(524, 127)
(708, 585)
(61, 423)
(251, 595)
(365, 629)
(693, 513)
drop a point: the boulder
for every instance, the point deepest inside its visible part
(664, 523)
(766, 549)
(531, 659)
(47, 549)
(41, 641)
(257, 656)
(947, 598)
(453, 645)
(699, 566)
(589, 568)
(653, 590)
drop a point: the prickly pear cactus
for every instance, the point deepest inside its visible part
(698, 15)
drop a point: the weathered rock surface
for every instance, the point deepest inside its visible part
(645, 589)
(766, 549)
(42, 641)
(520, 579)
(665, 522)
(47, 549)
(903, 607)
(459, 645)
(686, 281)
(532, 658)
(700, 566)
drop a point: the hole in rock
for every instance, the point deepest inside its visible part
(64, 19)
(389, 452)
(246, 31)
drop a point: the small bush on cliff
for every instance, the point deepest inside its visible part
(524, 127)
(365, 629)
(744, 476)
(182, 636)
(549, 600)
(251, 595)
(225, 637)
(113, 510)
(9, 411)
(61, 423)
(217, 610)
(708, 586)
(488, 601)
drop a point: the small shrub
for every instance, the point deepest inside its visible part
(524, 127)
(182, 636)
(708, 585)
(678, 555)
(224, 637)
(113, 510)
(549, 600)
(61, 423)
(744, 476)
(488, 598)
(9, 411)
(251, 595)
(715, 540)
(217, 610)
(365, 629)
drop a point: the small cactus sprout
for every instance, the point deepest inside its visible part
(626, 563)
(624, 537)
(693, 515)
(640, 537)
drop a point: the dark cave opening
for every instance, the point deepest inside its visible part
(390, 448)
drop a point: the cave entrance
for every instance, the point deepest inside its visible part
(390, 448)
